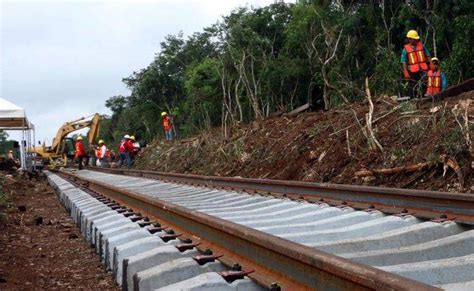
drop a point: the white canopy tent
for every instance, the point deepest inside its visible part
(13, 117)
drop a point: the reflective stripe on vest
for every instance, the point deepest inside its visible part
(122, 148)
(434, 82)
(416, 57)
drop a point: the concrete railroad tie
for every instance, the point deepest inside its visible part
(138, 259)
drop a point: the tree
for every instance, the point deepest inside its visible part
(256, 61)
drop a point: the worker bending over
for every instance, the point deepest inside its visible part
(437, 81)
(167, 126)
(80, 152)
(415, 61)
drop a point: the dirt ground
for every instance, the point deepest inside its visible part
(40, 246)
(422, 145)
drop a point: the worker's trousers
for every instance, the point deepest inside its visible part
(416, 85)
(80, 159)
(169, 134)
(125, 157)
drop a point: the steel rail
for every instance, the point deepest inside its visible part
(294, 266)
(458, 207)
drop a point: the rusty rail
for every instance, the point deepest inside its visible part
(291, 265)
(458, 207)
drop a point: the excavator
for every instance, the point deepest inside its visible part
(62, 147)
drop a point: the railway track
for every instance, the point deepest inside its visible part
(288, 235)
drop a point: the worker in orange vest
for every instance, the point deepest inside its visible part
(415, 61)
(167, 126)
(97, 155)
(437, 81)
(102, 154)
(80, 153)
(125, 149)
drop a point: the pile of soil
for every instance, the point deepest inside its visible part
(40, 246)
(427, 145)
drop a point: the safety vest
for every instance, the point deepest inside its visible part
(102, 151)
(97, 152)
(434, 82)
(416, 57)
(80, 150)
(166, 123)
(122, 147)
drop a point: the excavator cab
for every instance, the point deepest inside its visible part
(68, 147)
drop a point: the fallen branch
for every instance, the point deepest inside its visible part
(391, 171)
(448, 162)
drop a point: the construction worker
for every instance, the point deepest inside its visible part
(136, 145)
(97, 155)
(10, 156)
(415, 61)
(167, 126)
(125, 149)
(102, 159)
(80, 152)
(437, 81)
(133, 149)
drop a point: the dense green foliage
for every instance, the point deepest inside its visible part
(255, 62)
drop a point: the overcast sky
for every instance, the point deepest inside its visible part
(61, 60)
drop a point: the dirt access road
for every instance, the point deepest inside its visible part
(40, 246)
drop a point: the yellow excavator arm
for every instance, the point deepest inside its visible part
(74, 125)
(56, 154)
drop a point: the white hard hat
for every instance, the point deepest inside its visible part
(126, 136)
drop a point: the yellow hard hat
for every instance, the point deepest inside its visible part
(10, 151)
(101, 141)
(413, 34)
(163, 113)
(79, 138)
(435, 59)
(132, 137)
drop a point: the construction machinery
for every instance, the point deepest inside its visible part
(62, 146)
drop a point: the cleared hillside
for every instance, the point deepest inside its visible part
(420, 145)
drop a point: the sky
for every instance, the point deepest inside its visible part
(60, 60)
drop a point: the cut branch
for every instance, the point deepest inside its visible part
(391, 171)
(368, 117)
